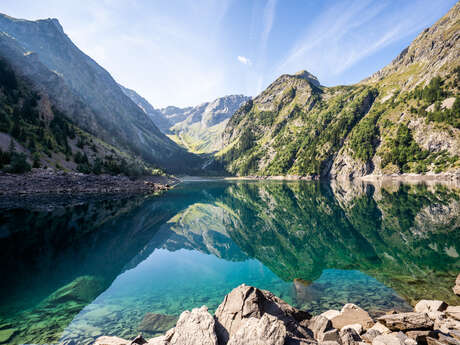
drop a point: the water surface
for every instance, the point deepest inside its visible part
(117, 267)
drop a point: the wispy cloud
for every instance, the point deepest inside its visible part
(244, 60)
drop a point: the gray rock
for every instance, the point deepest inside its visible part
(245, 302)
(390, 339)
(381, 328)
(420, 336)
(264, 331)
(370, 335)
(348, 336)
(357, 327)
(407, 321)
(154, 323)
(427, 306)
(320, 325)
(139, 340)
(195, 327)
(442, 340)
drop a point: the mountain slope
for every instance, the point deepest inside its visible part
(298, 127)
(109, 113)
(199, 129)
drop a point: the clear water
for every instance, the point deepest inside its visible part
(104, 266)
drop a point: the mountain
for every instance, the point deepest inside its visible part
(42, 53)
(199, 129)
(157, 117)
(404, 118)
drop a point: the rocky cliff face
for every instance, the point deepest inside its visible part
(378, 126)
(43, 53)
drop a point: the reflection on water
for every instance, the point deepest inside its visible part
(120, 266)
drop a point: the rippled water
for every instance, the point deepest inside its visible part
(117, 267)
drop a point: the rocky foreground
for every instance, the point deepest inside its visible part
(48, 181)
(250, 316)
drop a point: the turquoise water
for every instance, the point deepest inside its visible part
(97, 267)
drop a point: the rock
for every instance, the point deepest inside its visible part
(193, 327)
(427, 306)
(357, 327)
(370, 335)
(161, 340)
(420, 336)
(352, 314)
(264, 331)
(456, 288)
(381, 328)
(154, 323)
(330, 314)
(245, 302)
(348, 336)
(105, 340)
(320, 325)
(390, 339)
(443, 322)
(139, 340)
(453, 312)
(442, 340)
(407, 321)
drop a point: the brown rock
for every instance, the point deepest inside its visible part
(442, 340)
(352, 314)
(420, 336)
(407, 321)
(453, 312)
(245, 302)
(390, 339)
(370, 335)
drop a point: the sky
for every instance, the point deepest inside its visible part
(185, 52)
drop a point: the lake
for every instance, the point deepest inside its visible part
(78, 269)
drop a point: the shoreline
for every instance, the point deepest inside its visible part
(47, 181)
(248, 315)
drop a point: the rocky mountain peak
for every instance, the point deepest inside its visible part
(308, 76)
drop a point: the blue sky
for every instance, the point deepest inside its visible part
(189, 51)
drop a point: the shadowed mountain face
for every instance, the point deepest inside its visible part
(41, 52)
(60, 260)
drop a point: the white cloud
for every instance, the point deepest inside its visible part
(244, 60)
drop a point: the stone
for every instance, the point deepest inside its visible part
(157, 323)
(161, 340)
(357, 327)
(245, 302)
(442, 340)
(390, 339)
(456, 288)
(193, 327)
(348, 336)
(264, 331)
(381, 328)
(330, 314)
(420, 336)
(319, 325)
(453, 312)
(105, 340)
(427, 306)
(352, 314)
(139, 340)
(370, 335)
(406, 321)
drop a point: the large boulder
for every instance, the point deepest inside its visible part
(246, 302)
(407, 321)
(352, 314)
(267, 330)
(193, 327)
(428, 306)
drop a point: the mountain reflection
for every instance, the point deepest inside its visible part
(59, 260)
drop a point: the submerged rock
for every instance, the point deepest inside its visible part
(157, 323)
